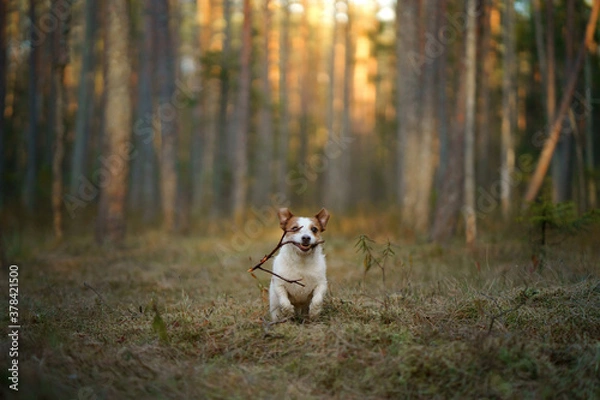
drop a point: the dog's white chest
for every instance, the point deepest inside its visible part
(311, 269)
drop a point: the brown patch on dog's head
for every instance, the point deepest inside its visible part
(322, 218)
(285, 216)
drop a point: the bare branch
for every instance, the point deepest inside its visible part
(502, 312)
(270, 255)
(266, 257)
(296, 281)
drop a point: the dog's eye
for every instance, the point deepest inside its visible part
(314, 229)
(295, 229)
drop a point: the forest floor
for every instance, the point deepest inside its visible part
(180, 318)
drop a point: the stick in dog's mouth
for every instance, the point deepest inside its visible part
(307, 247)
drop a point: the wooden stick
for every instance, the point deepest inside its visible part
(270, 255)
(266, 257)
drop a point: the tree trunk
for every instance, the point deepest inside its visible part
(425, 170)
(554, 131)
(240, 177)
(85, 98)
(339, 104)
(509, 109)
(264, 151)
(407, 86)
(167, 116)
(221, 161)
(562, 161)
(144, 187)
(486, 61)
(550, 63)
(202, 138)
(470, 108)
(32, 129)
(451, 196)
(117, 115)
(442, 98)
(3, 82)
(332, 177)
(347, 97)
(541, 50)
(305, 87)
(207, 110)
(592, 200)
(61, 58)
(284, 133)
(559, 167)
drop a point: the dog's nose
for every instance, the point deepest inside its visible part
(305, 239)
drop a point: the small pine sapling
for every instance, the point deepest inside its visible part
(558, 221)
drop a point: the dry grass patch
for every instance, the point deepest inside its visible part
(164, 318)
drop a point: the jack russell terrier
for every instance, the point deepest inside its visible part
(302, 258)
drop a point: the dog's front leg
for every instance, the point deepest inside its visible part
(316, 303)
(280, 305)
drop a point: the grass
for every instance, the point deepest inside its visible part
(173, 318)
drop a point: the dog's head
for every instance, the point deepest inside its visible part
(303, 232)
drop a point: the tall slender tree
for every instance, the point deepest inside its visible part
(85, 98)
(307, 69)
(486, 62)
(539, 44)
(110, 225)
(407, 86)
(283, 125)
(3, 74)
(450, 199)
(264, 150)
(558, 166)
(442, 99)
(592, 200)
(144, 186)
(470, 104)
(509, 108)
(347, 105)
(29, 187)
(221, 161)
(427, 127)
(202, 134)
(206, 109)
(562, 163)
(332, 174)
(240, 176)
(341, 74)
(167, 114)
(61, 58)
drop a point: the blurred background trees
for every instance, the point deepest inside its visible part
(232, 106)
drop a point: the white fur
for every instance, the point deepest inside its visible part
(293, 263)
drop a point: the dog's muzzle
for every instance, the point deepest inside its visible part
(305, 243)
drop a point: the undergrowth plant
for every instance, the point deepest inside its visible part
(559, 220)
(364, 245)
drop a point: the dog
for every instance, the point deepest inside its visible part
(301, 258)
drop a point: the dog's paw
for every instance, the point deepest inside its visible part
(314, 312)
(287, 310)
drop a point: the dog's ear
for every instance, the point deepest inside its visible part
(322, 217)
(284, 216)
